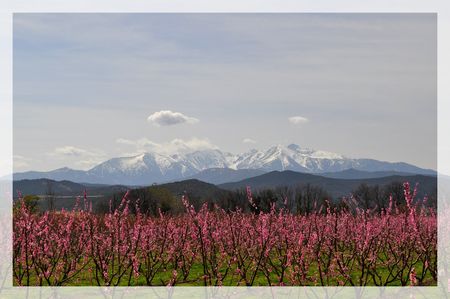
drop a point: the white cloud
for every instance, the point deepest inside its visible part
(138, 145)
(69, 150)
(298, 120)
(176, 145)
(169, 118)
(142, 142)
(78, 157)
(88, 163)
(192, 144)
(20, 162)
(249, 141)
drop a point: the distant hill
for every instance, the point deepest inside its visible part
(225, 175)
(62, 188)
(168, 196)
(60, 174)
(335, 187)
(360, 174)
(65, 193)
(194, 188)
(41, 186)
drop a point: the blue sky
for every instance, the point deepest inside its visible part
(88, 87)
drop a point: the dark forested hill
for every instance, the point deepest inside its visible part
(335, 187)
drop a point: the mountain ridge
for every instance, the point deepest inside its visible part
(149, 168)
(337, 187)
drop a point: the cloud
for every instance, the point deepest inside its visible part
(169, 118)
(20, 162)
(298, 120)
(88, 163)
(139, 145)
(249, 141)
(192, 144)
(78, 157)
(176, 145)
(69, 150)
(142, 142)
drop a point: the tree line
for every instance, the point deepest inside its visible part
(302, 199)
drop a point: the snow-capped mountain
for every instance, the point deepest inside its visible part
(151, 168)
(292, 157)
(148, 168)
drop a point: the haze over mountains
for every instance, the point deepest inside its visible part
(219, 167)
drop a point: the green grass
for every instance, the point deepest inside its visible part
(85, 278)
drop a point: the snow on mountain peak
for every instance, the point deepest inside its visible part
(277, 157)
(132, 163)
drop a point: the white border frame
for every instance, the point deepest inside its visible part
(442, 7)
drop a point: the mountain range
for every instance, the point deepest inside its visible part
(219, 167)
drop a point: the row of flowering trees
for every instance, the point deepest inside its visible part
(214, 247)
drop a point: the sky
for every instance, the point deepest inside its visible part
(89, 87)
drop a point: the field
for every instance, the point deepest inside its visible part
(211, 246)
